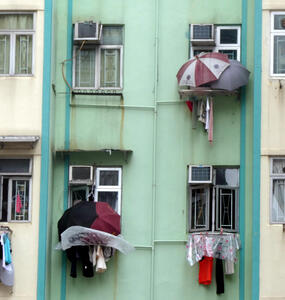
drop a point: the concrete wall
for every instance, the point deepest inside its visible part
(272, 244)
(20, 114)
(158, 130)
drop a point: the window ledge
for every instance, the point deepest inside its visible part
(103, 92)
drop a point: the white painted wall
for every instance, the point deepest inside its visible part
(20, 114)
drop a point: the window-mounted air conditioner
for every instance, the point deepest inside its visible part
(200, 174)
(202, 35)
(81, 174)
(90, 32)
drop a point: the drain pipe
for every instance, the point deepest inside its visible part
(154, 153)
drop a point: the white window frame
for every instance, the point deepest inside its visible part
(273, 33)
(13, 33)
(97, 67)
(212, 200)
(274, 176)
(109, 188)
(220, 46)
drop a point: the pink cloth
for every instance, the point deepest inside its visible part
(18, 204)
(211, 123)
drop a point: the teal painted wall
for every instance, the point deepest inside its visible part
(158, 129)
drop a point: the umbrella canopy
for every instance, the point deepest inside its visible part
(203, 68)
(108, 220)
(235, 76)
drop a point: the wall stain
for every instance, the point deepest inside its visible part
(122, 123)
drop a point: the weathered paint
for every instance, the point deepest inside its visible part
(154, 201)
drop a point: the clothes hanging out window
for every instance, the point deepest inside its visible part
(100, 66)
(213, 198)
(102, 183)
(15, 189)
(16, 43)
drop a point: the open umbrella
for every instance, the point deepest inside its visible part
(235, 76)
(203, 68)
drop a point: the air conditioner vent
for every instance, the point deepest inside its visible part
(202, 34)
(90, 32)
(81, 174)
(200, 174)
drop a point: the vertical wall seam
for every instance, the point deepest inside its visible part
(256, 148)
(242, 156)
(45, 152)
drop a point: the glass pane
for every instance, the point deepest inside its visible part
(17, 21)
(20, 200)
(228, 36)
(112, 35)
(226, 205)
(109, 178)
(278, 166)
(110, 68)
(199, 209)
(232, 54)
(279, 22)
(15, 166)
(85, 68)
(4, 54)
(198, 51)
(109, 197)
(278, 213)
(225, 176)
(78, 193)
(279, 55)
(24, 54)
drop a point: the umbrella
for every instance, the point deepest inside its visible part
(203, 68)
(235, 76)
(83, 215)
(108, 220)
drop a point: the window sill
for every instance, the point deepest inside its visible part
(16, 76)
(108, 92)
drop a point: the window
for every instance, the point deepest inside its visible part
(277, 190)
(99, 66)
(15, 189)
(214, 206)
(16, 43)
(105, 188)
(278, 43)
(227, 41)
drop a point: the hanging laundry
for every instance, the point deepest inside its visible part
(189, 105)
(101, 265)
(202, 111)
(18, 204)
(205, 270)
(207, 114)
(7, 274)
(211, 122)
(7, 249)
(229, 267)
(220, 276)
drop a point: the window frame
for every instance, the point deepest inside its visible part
(220, 46)
(109, 188)
(97, 65)
(13, 34)
(274, 176)
(273, 33)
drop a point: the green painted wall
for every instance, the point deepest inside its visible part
(158, 130)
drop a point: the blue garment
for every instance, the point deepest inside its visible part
(7, 249)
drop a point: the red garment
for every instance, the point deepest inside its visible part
(18, 204)
(190, 105)
(205, 270)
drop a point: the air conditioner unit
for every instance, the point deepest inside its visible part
(202, 35)
(89, 32)
(81, 174)
(200, 174)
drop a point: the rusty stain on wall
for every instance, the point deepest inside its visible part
(122, 123)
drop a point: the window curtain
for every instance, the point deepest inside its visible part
(16, 21)
(278, 166)
(85, 68)
(279, 54)
(278, 200)
(110, 68)
(24, 54)
(4, 54)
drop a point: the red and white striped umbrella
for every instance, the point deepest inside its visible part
(203, 68)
